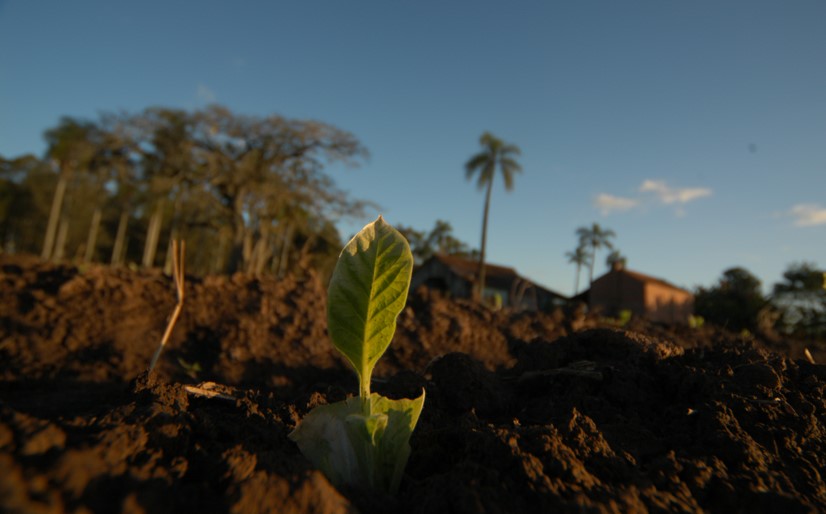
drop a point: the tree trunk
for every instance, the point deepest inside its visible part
(576, 278)
(239, 236)
(60, 243)
(247, 248)
(259, 255)
(219, 263)
(152, 233)
(167, 265)
(54, 216)
(593, 260)
(285, 250)
(91, 241)
(480, 286)
(118, 249)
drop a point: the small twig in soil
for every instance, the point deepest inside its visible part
(809, 355)
(178, 275)
(211, 390)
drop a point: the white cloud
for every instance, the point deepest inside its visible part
(609, 203)
(656, 191)
(205, 94)
(808, 215)
(669, 195)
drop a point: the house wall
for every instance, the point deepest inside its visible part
(658, 302)
(668, 305)
(615, 292)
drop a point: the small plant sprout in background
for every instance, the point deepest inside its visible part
(364, 440)
(178, 253)
(191, 368)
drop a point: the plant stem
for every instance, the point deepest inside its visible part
(364, 394)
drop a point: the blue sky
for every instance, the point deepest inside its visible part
(696, 130)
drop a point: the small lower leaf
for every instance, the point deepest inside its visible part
(351, 447)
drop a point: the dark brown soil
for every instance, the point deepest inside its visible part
(524, 412)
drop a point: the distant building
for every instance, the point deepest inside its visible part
(457, 276)
(645, 296)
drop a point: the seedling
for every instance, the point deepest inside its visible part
(364, 440)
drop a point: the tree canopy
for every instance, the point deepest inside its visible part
(594, 237)
(439, 239)
(801, 300)
(248, 193)
(734, 303)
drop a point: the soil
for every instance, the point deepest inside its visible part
(525, 412)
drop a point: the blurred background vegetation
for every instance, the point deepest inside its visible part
(247, 193)
(253, 194)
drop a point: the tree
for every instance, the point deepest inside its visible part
(580, 257)
(495, 155)
(22, 220)
(170, 167)
(121, 162)
(801, 300)
(615, 258)
(252, 192)
(594, 237)
(735, 302)
(71, 146)
(440, 239)
(262, 168)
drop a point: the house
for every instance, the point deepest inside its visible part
(652, 298)
(457, 276)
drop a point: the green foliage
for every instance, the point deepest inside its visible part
(624, 317)
(440, 240)
(364, 440)
(615, 258)
(801, 301)
(349, 446)
(191, 368)
(594, 237)
(495, 154)
(581, 258)
(251, 191)
(734, 303)
(696, 322)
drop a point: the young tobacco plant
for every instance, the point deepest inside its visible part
(364, 440)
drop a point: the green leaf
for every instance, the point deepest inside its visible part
(351, 447)
(367, 292)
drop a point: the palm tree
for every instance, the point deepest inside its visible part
(596, 238)
(580, 257)
(495, 154)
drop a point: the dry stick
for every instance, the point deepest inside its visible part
(809, 355)
(178, 275)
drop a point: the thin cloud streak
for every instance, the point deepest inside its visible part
(808, 215)
(668, 195)
(656, 191)
(609, 203)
